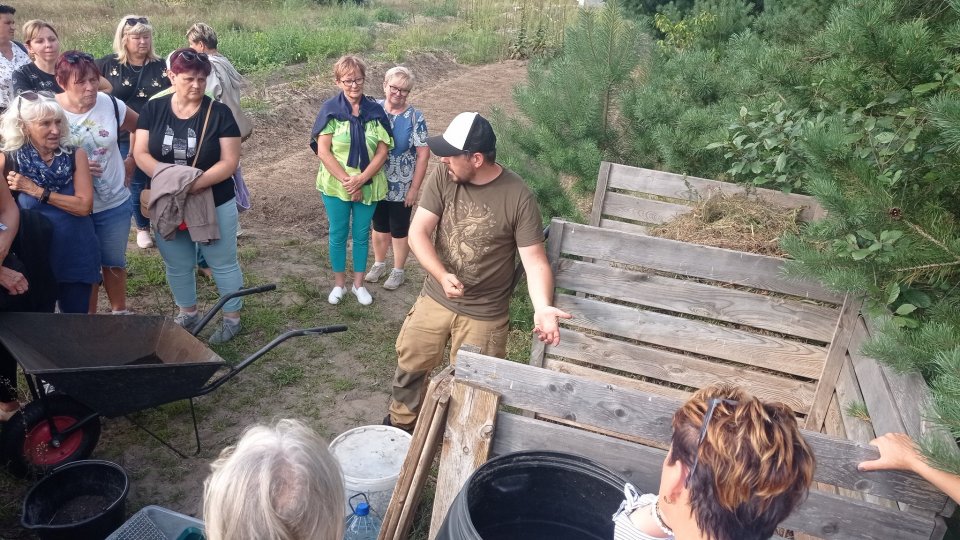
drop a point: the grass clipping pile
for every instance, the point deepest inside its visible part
(741, 222)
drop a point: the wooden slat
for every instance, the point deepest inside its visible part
(833, 425)
(603, 177)
(692, 189)
(601, 376)
(769, 352)
(642, 210)
(827, 381)
(826, 516)
(466, 445)
(876, 394)
(780, 315)
(679, 369)
(649, 416)
(717, 264)
(623, 226)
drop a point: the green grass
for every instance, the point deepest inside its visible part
(145, 270)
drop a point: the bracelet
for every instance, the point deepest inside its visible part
(45, 196)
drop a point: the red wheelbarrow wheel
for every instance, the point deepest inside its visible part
(25, 441)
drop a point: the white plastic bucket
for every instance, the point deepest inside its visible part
(370, 458)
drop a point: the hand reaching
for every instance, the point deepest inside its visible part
(546, 324)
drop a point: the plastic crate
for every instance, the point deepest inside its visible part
(158, 523)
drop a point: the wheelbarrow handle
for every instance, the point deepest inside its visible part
(265, 349)
(226, 298)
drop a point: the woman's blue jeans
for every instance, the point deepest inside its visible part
(137, 185)
(339, 217)
(180, 258)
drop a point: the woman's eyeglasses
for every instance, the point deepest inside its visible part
(133, 21)
(399, 91)
(352, 82)
(711, 406)
(74, 57)
(31, 96)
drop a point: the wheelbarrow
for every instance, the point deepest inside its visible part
(106, 365)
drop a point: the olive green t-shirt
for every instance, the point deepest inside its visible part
(477, 238)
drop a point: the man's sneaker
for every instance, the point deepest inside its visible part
(187, 320)
(144, 240)
(363, 296)
(376, 272)
(227, 331)
(396, 279)
(336, 294)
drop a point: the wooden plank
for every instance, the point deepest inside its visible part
(466, 445)
(625, 382)
(680, 369)
(827, 381)
(603, 176)
(693, 189)
(649, 416)
(716, 264)
(646, 211)
(824, 515)
(876, 394)
(833, 425)
(777, 314)
(699, 337)
(623, 226)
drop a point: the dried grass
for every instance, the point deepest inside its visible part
(739, 222)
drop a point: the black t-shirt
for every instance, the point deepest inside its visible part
(173, 140)
(134, 84)
(30, 77)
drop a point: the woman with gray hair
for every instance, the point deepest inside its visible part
(279, 483)
(406, 167)
(53, 179)
(136, 73)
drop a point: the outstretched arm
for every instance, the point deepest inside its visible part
(898, 452)
(540, 285)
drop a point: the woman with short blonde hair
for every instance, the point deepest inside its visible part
(136, 73)
(279, 482)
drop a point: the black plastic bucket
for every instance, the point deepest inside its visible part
(83, 500)
(535, 496)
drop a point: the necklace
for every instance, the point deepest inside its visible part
(180, 110)
(137, 69)
(655, 512)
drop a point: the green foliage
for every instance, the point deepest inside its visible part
(568, 123)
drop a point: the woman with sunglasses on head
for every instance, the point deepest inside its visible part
(189, 128)
(53, 178)
(135, 72)
(96, 121)
(352, 136)
(736, 468)
(43, 45)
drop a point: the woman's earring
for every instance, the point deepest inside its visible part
(668, 500)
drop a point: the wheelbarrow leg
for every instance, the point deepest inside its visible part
(196, 434)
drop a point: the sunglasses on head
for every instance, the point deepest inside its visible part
(711, 406)
(74, 57)
(190, 55)
(30, 95)
(133, 21)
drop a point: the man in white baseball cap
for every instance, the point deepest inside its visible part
(483, 214)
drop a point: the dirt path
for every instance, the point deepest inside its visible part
(335, 382)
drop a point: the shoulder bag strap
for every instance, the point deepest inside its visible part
(116, 111)
(203, 132)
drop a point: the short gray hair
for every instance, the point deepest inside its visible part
(21, 112)
(124, 30)
(400, 72)
(202, 33)
(279, 482)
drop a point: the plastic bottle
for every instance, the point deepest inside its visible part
(363, 524)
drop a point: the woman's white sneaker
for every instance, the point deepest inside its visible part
(363, 296)
(335, 295)
(144, 240)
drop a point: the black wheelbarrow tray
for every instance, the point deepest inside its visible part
(106, 365)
